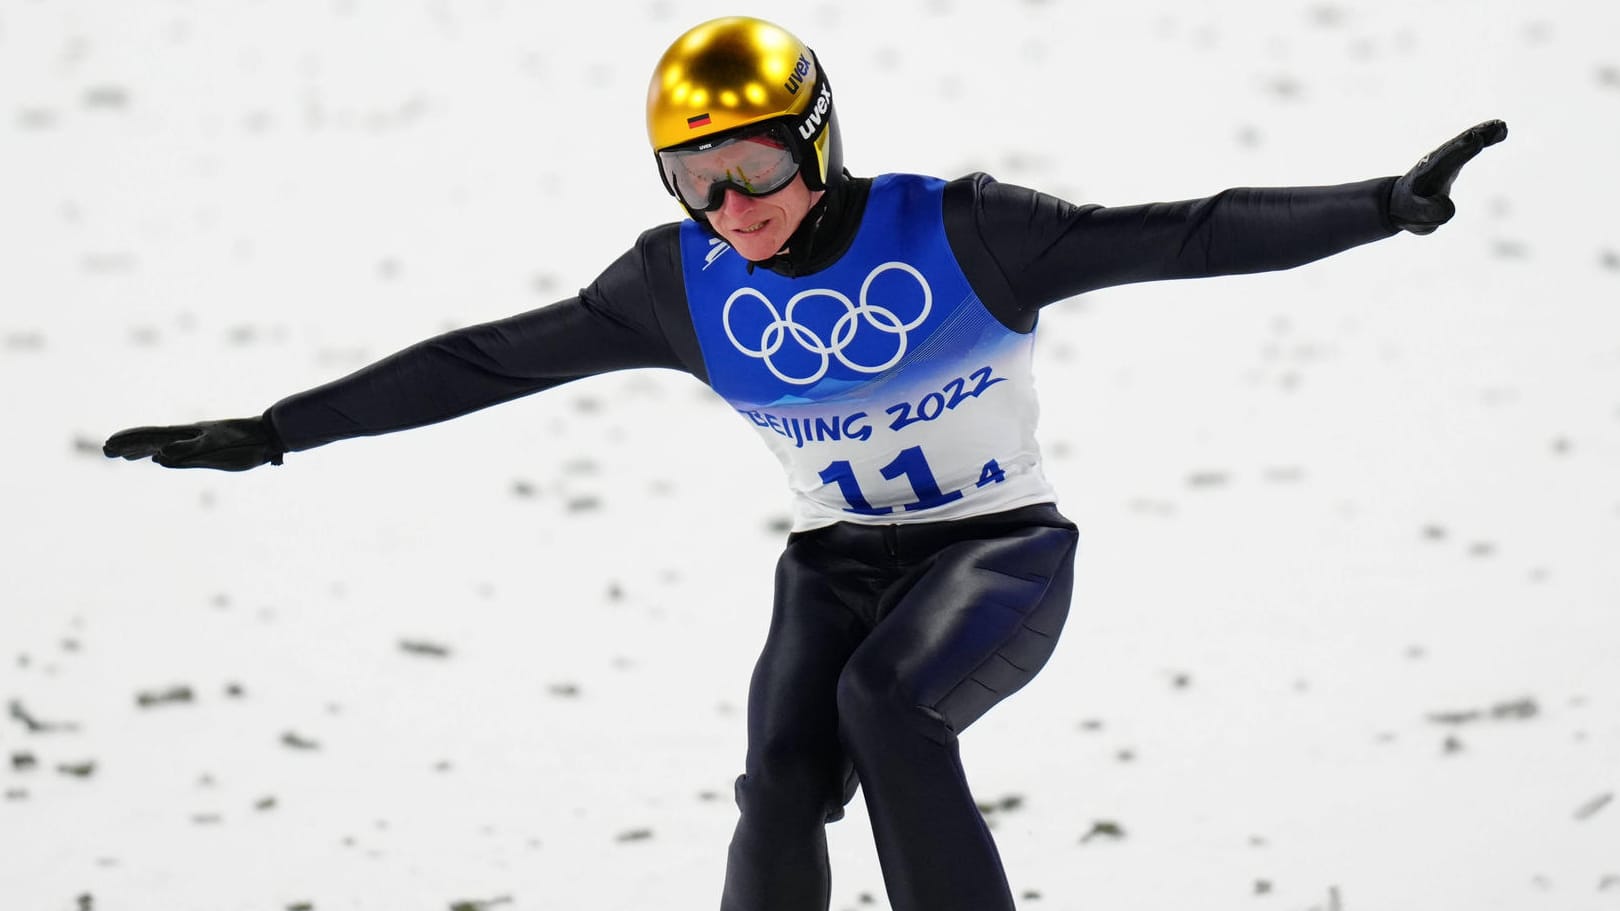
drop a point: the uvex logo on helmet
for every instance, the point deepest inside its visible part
(796, 78)
(818, 113)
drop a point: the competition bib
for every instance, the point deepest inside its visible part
(884, 386)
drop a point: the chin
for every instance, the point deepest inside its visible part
(755, 247)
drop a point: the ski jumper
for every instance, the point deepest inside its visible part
(886, 362)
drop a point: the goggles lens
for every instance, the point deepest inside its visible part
(754, 164)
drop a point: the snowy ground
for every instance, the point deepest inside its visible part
(1347, 632)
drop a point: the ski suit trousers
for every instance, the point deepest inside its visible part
(885, 643)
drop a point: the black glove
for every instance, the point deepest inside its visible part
(1421, 201)
(233, 445)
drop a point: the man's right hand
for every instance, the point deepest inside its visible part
(232, 445)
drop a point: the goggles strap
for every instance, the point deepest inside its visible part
(819, 111)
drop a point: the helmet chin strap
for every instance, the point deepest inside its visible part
(807, 224)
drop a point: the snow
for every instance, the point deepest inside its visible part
(1345, 633)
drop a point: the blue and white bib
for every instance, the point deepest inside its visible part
(884, 386)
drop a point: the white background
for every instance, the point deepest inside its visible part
(1321, 509)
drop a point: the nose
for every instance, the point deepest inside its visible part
(735, 202)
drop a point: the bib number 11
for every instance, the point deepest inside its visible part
(911, 465)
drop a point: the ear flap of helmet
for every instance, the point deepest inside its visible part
(827, 146)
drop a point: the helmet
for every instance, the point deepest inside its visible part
(743, 72)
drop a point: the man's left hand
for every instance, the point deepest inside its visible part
(1421, 200)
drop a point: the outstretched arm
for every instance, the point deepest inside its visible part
(1025, 249)
(465, 370)
(610, 326)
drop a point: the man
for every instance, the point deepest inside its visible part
(878, 333)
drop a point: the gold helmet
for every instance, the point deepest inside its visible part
(739, 72)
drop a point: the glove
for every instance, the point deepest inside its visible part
(1420, 201)
(233, 445)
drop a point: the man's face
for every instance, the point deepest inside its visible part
(757, 226)
(759, 160)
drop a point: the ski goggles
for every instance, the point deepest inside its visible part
(756, 161)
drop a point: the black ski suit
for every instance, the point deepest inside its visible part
(891, 633)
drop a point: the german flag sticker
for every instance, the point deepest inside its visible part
(701, 120)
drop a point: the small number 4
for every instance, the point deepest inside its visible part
(992, 474)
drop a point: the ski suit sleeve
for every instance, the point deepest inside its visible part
(609, 326)
(1027, 249)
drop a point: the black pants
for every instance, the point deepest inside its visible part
(885, 643)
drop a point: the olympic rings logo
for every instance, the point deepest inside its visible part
(783, 326)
